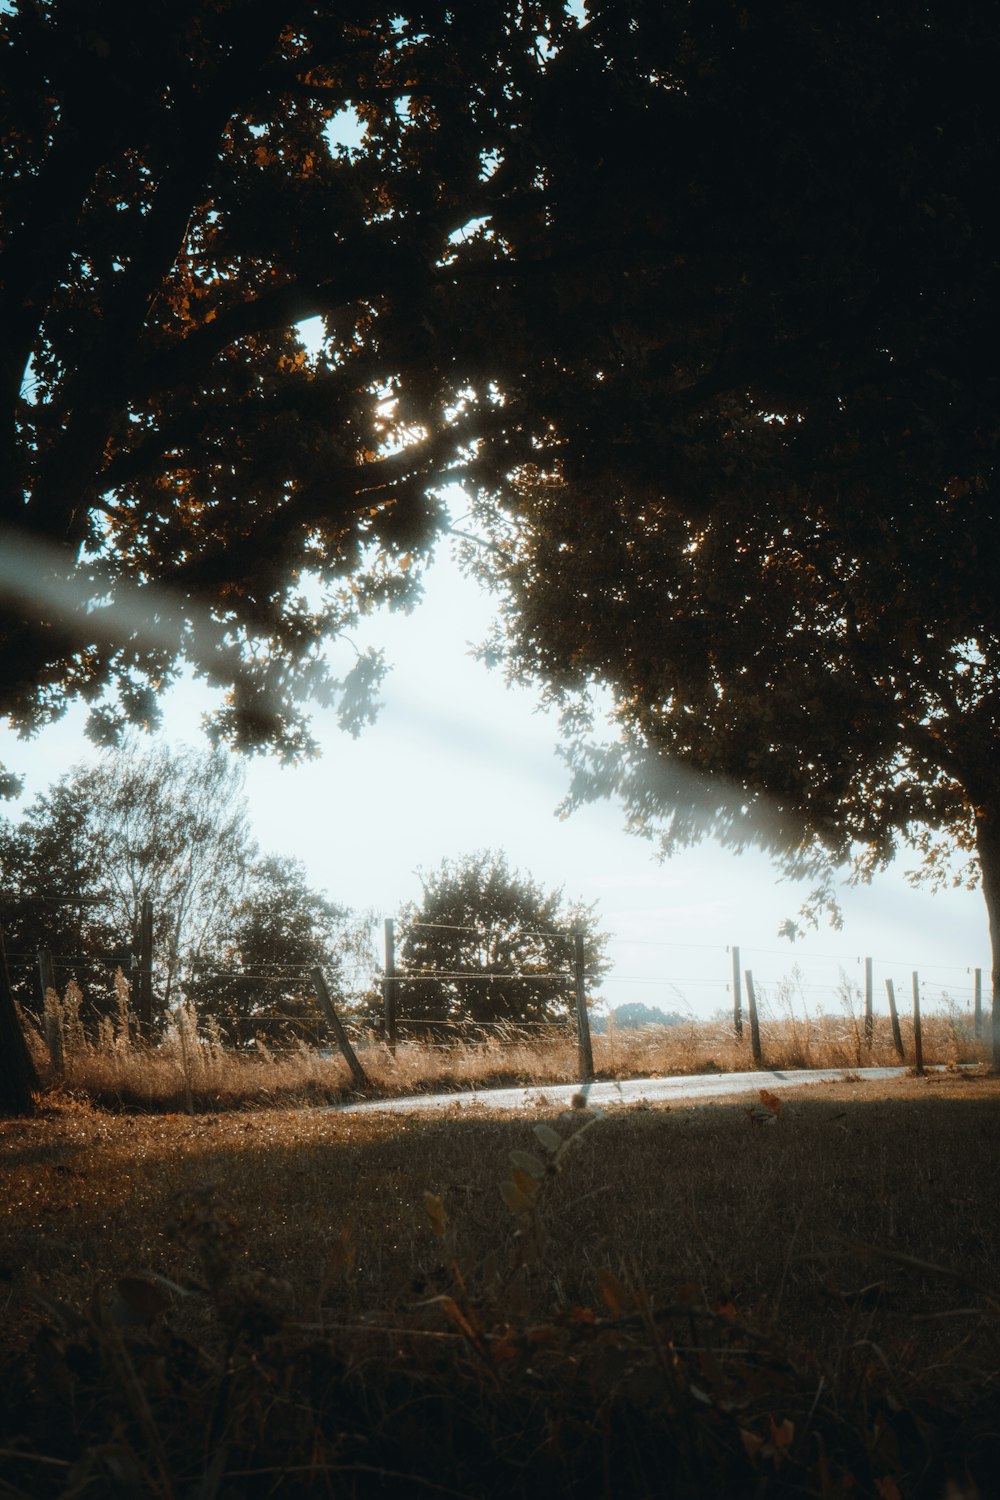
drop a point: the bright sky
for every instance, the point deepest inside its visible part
(458, 762)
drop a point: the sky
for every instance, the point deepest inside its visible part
(458, 762)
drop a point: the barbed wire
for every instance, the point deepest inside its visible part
(257, 977)
(470, 1025)
(484, 976)
(490, 931)
(208, 966)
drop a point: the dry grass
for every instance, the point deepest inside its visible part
(692, 1304)
(192, 1070)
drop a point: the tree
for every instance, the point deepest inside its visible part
(494, 945)
(166, 824)
(234, 932)
(185, 481)
(634, 1015)
(257, 983)
(763, 511)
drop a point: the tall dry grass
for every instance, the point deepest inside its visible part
(189, 1067)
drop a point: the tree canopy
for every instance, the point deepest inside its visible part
(494, 946)
(767, 521)
(183, 481)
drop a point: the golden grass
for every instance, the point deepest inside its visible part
(191, 1069)
(686, 1277)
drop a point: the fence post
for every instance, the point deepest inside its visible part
(869, 1004)
(586, 1050)
(978, 1013)
(144, 1008)
(50, 1022)
(737, 994)
(918, 1041)
(343, 1041)
(897, 1036)
(389, 984)
(758, 1056)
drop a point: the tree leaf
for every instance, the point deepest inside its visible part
(434, 1206)
(548, 1137)
(517, 1201)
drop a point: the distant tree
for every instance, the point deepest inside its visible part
(493, 944)
(164, 823)
(635, 1014)
(234, 932)
(256, 981)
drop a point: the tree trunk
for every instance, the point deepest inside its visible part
(988, 847)
(18, 1079)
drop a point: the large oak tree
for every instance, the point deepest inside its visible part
(763, 509)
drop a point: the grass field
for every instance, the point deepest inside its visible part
(662, 1302)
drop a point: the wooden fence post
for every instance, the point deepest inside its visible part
(144, 1008)
(978, 1002)
(336, 1026)
(737, 995)
(869, 1004)
(897, 1036)
(586, 1051)
(758, 1056)
(50, 1022)
(389, 984)
(918, 1041)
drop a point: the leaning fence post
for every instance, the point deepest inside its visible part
(978, 1014)
(869, 1004)
(144, 1008)
(897, 1036)
(758, 1056)
(918, 1043)
(586, 1050)
(336, 1026)
(737, 994)
(50, 1020)
(389, 984)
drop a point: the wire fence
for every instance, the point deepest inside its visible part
(697, 980)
